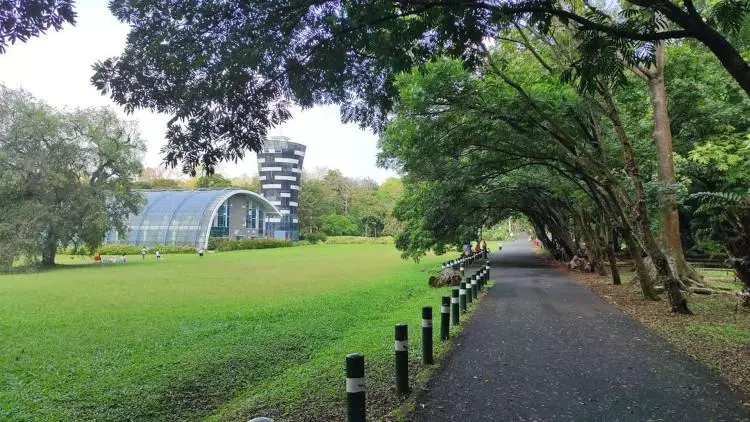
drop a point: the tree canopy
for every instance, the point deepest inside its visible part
(24, 19)
(65, 177)
(227, 71)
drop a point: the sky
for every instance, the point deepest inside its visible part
(56, 68)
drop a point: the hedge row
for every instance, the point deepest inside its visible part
(222, 245)
(119, 249)
(122, 249)
(314, 237)
(359, 240)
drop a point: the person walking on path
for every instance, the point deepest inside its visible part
(158, 255)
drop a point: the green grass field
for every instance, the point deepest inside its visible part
(226, 337)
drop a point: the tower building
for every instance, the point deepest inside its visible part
(279, 170)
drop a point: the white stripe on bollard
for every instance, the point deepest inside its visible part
(426, 323)
(454, 299)
(445, 309)
(402, 345)
(355, 385)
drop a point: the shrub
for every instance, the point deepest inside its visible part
(314, 238)
(122, 249)
(352, 240)
(119, 249)
(236, 245)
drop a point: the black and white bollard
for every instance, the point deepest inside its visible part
(402, 359)
(474, 286)
(427, 335)
(454, 306)
(469, 297)
(355, 388)
(462, 297)
(461, 268)
(445, 318)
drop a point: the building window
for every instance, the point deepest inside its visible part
(252, 217)
(223, 215)
(260, 222)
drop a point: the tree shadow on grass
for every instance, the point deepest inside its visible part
(200, 391)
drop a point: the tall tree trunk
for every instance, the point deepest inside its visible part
(640, 217)
(49, 251)
(613, 258)
(644, 278)
(670, 219)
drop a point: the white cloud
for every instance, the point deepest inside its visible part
(56, 67)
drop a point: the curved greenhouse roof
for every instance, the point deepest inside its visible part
(186, 217)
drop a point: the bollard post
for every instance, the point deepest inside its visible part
(454, 306)
(427, 335)
(469, 297)
(474, 286)
(462, 297)
(462, 270)
(355, 388)
(402, 359)
(445, 316)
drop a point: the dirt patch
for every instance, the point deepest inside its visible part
(718, 335)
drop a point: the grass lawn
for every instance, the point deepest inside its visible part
(226, 337)
(720, 278)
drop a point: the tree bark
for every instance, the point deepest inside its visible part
(639, 214)
(729, 57)
(613, 259)
(49, 251)
(662, 134)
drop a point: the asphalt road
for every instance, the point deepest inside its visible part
(541, 347)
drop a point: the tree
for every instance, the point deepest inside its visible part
(225, 71)
(389, 193)
(212, 181)
(368, 209)
(342, 188)
(65, 177)
(247, 182)
(339, 225)
(476, 129)
(24, 19)
(316, 200)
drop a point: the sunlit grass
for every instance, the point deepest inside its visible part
(228, 335)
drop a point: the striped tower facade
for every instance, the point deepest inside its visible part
(279, 169)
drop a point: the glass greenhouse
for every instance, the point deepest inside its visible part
(191, 217)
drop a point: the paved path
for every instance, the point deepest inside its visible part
(541, 347)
